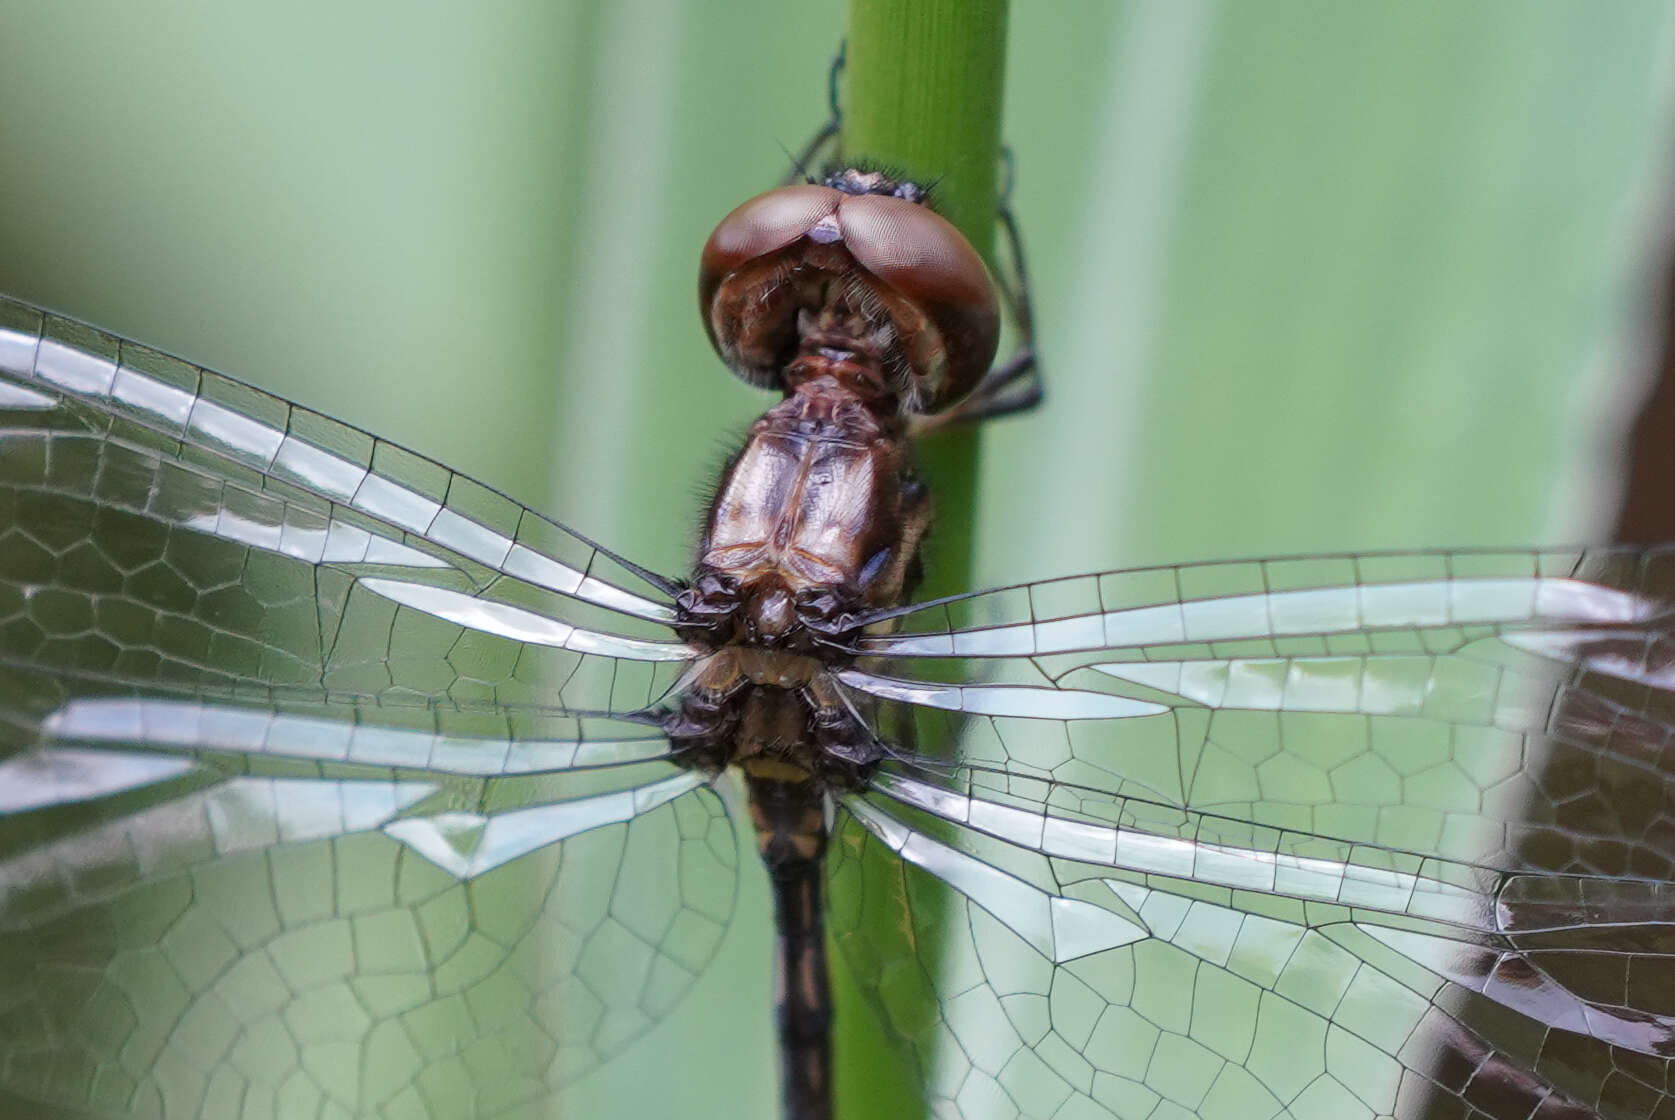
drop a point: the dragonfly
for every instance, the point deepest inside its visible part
(335, 783)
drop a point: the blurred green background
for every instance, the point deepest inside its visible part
(1309, 276)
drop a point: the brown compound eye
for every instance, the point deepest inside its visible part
(933, 285)
(920, 254)
(751, 329)
(766, 223)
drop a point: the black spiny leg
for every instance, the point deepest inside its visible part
(803, 160)
(849, 750)
(703, 726)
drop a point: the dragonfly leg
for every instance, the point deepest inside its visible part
(703, 727)
(804, 159)
(848, 748)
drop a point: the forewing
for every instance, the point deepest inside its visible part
(1358, 833)
(164, 523)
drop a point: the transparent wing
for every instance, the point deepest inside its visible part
(165, 523)
(252, 928)
(299, 812)
(1337, 836)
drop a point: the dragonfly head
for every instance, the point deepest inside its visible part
(861, 242)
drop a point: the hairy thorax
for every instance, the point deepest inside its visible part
(817, 521)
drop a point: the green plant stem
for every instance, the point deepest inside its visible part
(922, 94)
(922, 97)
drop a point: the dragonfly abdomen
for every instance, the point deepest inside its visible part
(791, 835)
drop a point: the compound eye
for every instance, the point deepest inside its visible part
(762, 226)
(921, 255)
(767, 223)
(930, 283)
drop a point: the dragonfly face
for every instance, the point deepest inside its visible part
(878, 276)
(329, 784)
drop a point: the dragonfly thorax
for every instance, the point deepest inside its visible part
(777, 716)
(816, 523)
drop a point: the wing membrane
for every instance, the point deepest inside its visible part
(340, 963)
(1224, 1004)
(1422, 703)
(166, 523)
(1396, 831)
(200, 897)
